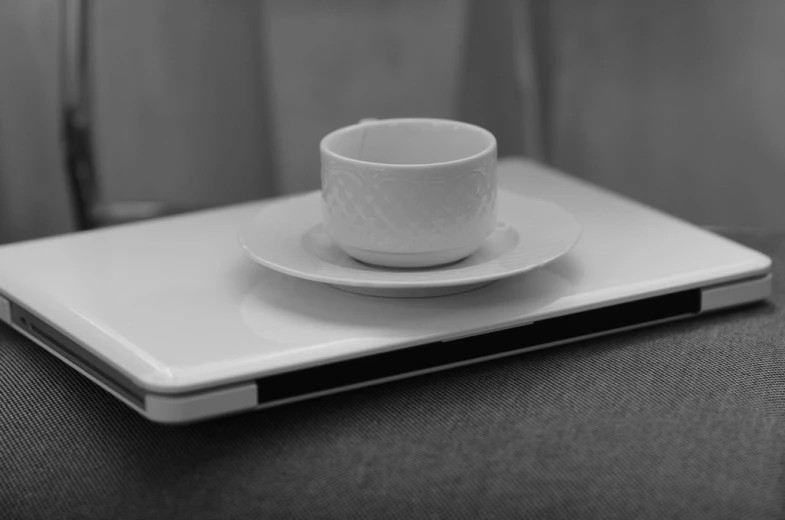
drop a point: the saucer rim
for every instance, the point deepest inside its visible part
(406, 284)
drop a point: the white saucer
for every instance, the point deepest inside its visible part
(287, 236)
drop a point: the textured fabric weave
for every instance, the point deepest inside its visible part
(685, 420)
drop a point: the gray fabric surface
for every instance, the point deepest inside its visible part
(685, 420)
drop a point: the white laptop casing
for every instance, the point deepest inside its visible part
(175, 308)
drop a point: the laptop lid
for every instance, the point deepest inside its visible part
(175, 320)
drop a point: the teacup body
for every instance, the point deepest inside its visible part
(409, 193)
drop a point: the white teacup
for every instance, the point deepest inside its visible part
(409, 192)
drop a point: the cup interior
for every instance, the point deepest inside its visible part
(409, 141)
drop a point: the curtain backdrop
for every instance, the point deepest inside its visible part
(206, 102)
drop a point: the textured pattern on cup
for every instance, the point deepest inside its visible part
(404, 208)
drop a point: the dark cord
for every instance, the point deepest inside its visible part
(75, 110)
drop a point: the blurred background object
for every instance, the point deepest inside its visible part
(75, 32)
(186, 104)
(181, 106)
(34, 198)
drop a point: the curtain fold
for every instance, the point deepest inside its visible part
(34, 197)
(677, 104)
(177, 114)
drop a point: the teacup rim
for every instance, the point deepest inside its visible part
(486, 151)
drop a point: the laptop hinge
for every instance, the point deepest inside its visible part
(186, 408)
(736, 293)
